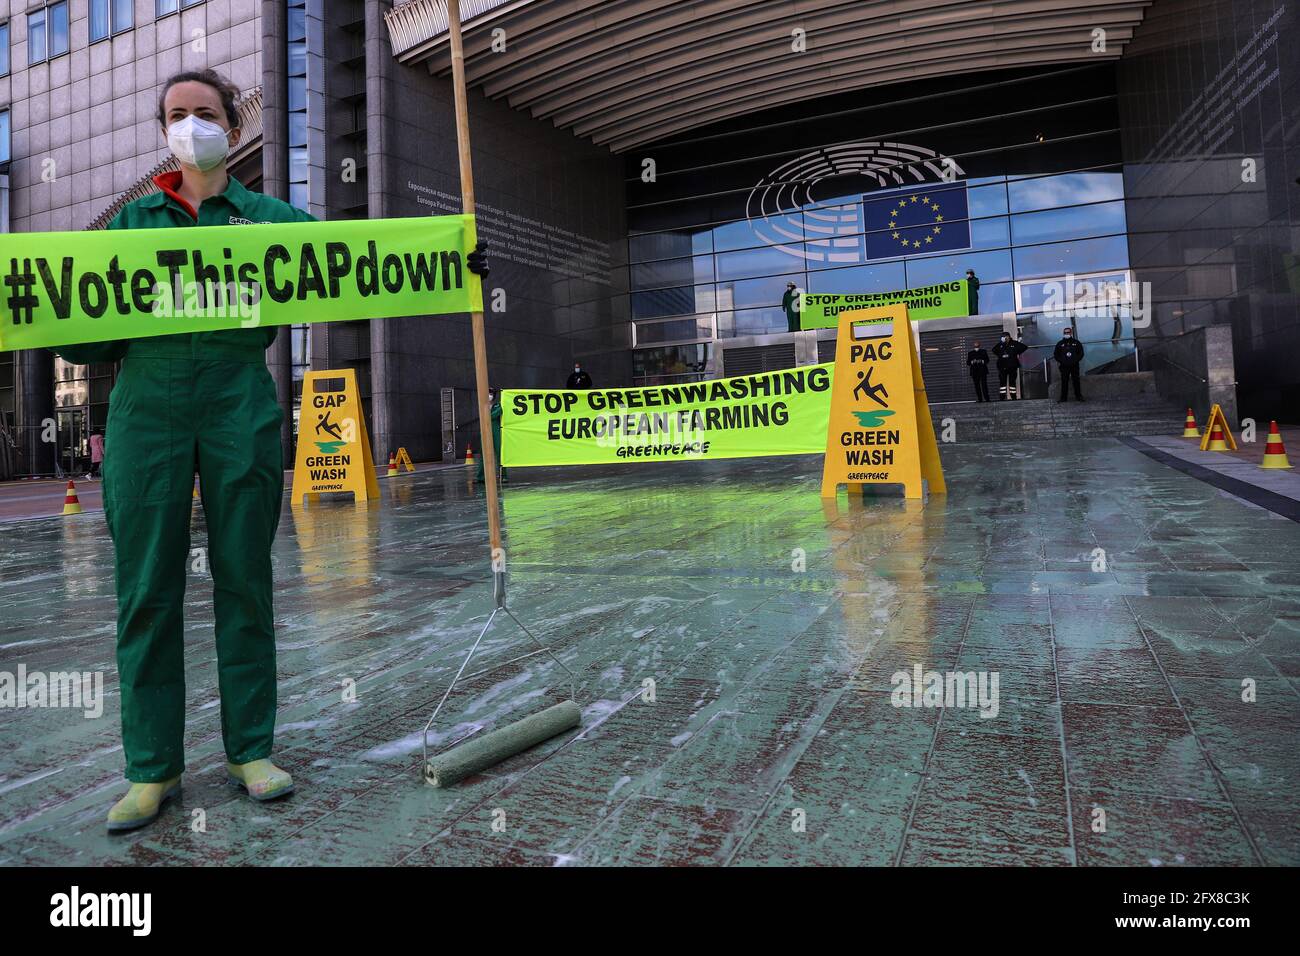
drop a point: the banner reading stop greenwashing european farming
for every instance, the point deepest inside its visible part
(944, 300)
(775, 413)
(70, 288)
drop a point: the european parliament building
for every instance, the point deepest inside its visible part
(652, 175)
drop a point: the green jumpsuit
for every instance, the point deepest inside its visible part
(200, 402)
(496, 441)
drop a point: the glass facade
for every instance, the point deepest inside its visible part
(1210, 108)
(671, 363)
(80, 405)
(297, 83)
(735, 215)
(300, 335)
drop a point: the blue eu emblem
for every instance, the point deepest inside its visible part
(928, 217)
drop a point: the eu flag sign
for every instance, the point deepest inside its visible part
(927, 217)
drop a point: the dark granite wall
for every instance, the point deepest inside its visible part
(1210, 113)
(551, 208)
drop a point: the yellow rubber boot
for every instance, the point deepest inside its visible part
(142, 804)
(262, 779)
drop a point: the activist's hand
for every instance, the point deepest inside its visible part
(477, 261)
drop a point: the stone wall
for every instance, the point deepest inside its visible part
(1196, 370)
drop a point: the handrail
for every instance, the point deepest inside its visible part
(1187, 371)
(1182, 368)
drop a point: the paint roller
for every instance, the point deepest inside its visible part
(472, 756)
(466, 759)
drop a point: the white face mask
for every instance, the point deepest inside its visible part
(198, 143)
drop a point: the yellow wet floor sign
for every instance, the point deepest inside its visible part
(880, 430)
(1218, 436)
(333, 447)
(403, 460)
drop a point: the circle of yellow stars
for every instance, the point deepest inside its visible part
(916, 243)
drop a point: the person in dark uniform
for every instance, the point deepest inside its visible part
(1068, 355)
(790, 305)
(977, 360)
(579, 378)
(1008, 354)
(972, 293)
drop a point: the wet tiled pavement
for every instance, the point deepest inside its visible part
(1120, 603)
(1241, 465)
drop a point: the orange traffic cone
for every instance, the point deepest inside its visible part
(392, 465)
(1189, 428)
(1274, 452)
(469, 456)
(71, 506)
(1216, 438)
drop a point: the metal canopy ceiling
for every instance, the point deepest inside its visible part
(624, 73)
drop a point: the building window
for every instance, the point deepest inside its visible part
(36, 46)
(165, 7)
(672, 364)
(4, 49)
(47, 33)
(108, 17)
(300, 350)
(4, 136)
(6, 388)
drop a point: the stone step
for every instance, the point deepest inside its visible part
(1043, 419)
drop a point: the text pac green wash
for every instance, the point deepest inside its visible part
(71, 288)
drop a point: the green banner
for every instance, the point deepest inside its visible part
(775, 413)
(69, 288)
(946, 300)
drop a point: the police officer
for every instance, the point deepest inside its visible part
(579, 378)
(972, 293)
(1008, 354)
(1068, 355)
(977, 360)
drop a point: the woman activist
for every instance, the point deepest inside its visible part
(200, 402)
